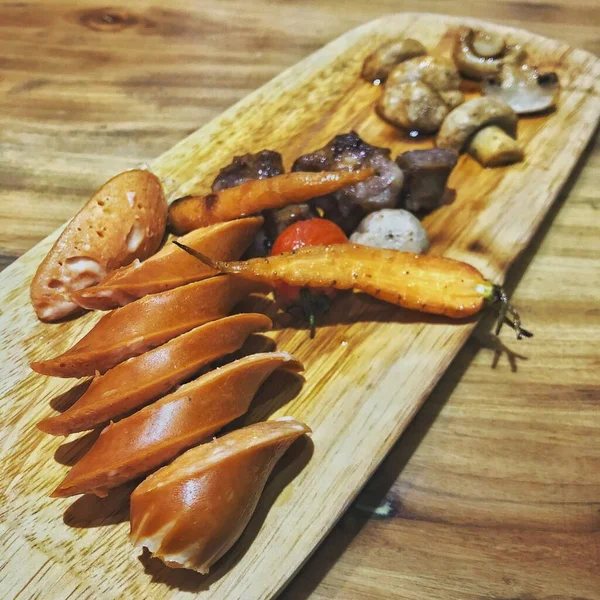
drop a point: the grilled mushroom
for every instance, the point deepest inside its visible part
(438, 73)
(524, 89)
(485, 128)
(377, 66)
(419, 93)
(413, 106)
(481, 54)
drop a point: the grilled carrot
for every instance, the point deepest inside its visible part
(141, 379)
(252, 197)
(154, 435)
(147, 323)
(171, 268)
(430, 284)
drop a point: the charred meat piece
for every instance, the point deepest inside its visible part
(426, 173)
(262, 165)
(348, 152)
(278, 220)
(345, 215)
(261, 244)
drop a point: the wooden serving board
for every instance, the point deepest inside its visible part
(368, 371)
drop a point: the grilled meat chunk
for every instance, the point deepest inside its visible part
(426, 174)
(262, 165)
(278, 220)
(348, 152)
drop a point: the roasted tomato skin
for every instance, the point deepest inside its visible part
(312, 232)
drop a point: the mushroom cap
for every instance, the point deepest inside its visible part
(378, 65)
(452, 98)
(524, 89)
(467, 119)
(472, 65)
(412, 105)
(438, 73)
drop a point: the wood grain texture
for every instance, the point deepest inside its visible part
(88, 89)
(491, 496)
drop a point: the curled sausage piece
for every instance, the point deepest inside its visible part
(377, 66)
(157, 433)
(141, 379)
(482, 54)
(123, 221)
(419, 94)
(191, 512)
(486, 128)
(147, 323)
(170, 267)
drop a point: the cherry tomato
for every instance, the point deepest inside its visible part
(313, 232)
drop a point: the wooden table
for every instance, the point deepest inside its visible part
(494, 490)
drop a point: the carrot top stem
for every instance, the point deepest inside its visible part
(308, 309)
(507, 313)
(202, 257)
(312, 305)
